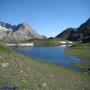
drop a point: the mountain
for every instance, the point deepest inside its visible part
(20, 32)
(75, 34)
(69, 34)
(84, 28)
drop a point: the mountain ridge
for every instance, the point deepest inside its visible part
(76, 34)
(20, 32)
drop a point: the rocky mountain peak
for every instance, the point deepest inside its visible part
(20, 32)
(23, 26)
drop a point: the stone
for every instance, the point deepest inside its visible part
(42, 85)
(4, 65)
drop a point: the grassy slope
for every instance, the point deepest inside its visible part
(81, 50)
(29, 74)
(42, 42)
(45, 42)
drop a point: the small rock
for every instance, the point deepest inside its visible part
(4, 65)
(42, 85)
(21, 71)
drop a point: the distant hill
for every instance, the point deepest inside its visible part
(75, 34)
(69, 34)
(18, 32)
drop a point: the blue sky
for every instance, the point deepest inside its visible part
(48, 17)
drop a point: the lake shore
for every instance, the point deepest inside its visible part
(81, 51)
(26, 73)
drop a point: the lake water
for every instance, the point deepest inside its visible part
(52, 54)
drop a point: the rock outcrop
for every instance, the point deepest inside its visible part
(69, 34)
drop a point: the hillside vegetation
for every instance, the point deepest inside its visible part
(45, 42)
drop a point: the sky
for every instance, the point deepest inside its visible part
(47, 17)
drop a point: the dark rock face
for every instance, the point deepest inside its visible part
(20, 32)
(69, 34)
(74, 37)
(84, 29)
(66, 34)
(81, 33)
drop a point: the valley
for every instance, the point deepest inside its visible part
(27, 73)
(30, 61)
